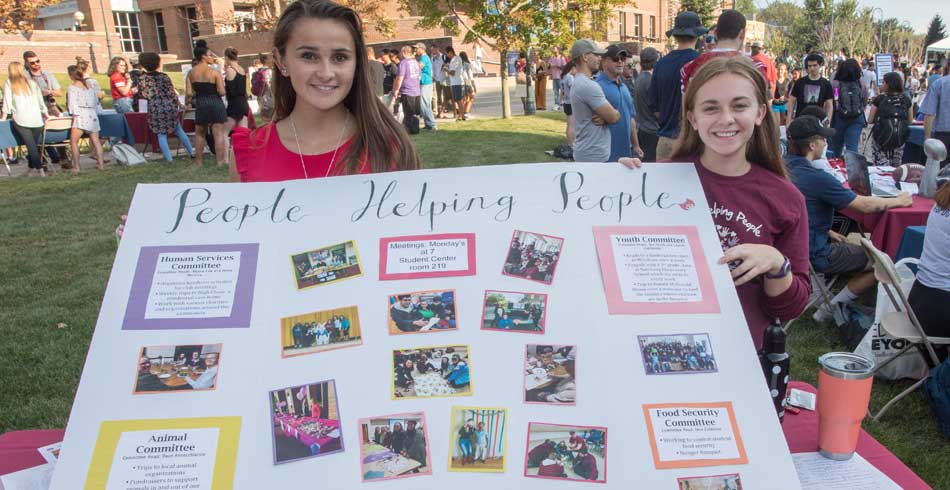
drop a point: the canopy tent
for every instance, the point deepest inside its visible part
(941, 46)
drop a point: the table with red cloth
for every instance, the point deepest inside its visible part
(138, 123)
(291, 427)
(887, 227)
(18, 450)
(801, 433)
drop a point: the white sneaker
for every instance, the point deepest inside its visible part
(827, 313)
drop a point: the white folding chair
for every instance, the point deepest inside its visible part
(55, 124)
(901, 323)
(821, 294)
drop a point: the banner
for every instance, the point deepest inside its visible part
(461, 328)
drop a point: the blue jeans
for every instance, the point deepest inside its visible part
(847, 134)
(427, 115)
(180, 133)
(557, 92)
(122, 105)
(465, 445)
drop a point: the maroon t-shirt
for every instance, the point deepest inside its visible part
(762, 208)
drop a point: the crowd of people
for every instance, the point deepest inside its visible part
(669, 356)
(527, 259)
(551, 458)
(311, 334)
(450, 364)
(427, 312)
(409, 442)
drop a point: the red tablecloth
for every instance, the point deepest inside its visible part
(18, 450)
(888, 227)
(801, 432)
(138, 122)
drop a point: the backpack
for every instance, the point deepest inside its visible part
(891, 130)
(412, 123)
(125, 154)
(258, 84)
(850, 102)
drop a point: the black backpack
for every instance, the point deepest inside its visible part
(850, 102)
(891, 129)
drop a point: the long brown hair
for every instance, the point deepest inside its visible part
(379, 137)
(77, 74)
(763, 149)
(19, 82)
(942, 197)
(114, 65)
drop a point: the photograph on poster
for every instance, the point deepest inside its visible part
(478, 439)
(716, 482)
(306, 421)
(431, 372)
(533, 256)
(514, 311)
(177, 368)
(549, 374)
(571, 452)
(677, 354)
(394, 446)
(327, 264)
(422, 312)
(320, 331)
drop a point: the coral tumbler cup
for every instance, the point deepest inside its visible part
(844, 391)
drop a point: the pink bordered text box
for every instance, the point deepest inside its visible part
(384, 256)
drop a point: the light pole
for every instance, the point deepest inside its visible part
(880, 25)
(105, 23)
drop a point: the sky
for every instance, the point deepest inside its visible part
(917, 13)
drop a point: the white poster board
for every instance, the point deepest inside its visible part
(883, 64)
(260, 253)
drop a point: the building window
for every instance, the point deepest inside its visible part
(638, 26)
(652, 27)
(623, 26)
(160, 31)
(244, 18)
(191, 13)
(573, 26)
(127, 27)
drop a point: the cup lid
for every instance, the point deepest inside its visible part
(846, 365)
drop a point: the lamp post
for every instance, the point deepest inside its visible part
(105, 24)
(880, 25)
(78, 17)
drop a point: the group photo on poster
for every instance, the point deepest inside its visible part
(326, 265)
(431, 372)
(549, 374)
(394, 446)
(717, 482)
(514, 311)
(677, 354)
(422, 311)
(320, 331)
(178, 368)
(571, 452)
(478, 439)
(305, 421)
(533, 256)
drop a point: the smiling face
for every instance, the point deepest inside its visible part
(320, 60)
(725, 113)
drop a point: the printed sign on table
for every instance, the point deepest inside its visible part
(192, 286)
(688, 435)
(422, 256)
(654, 270)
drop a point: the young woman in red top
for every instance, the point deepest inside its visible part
(759, 214)
(327, 118)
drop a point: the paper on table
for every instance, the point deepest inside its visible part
(35, 478)
(816, 472)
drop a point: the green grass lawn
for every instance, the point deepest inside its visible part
(58, 246)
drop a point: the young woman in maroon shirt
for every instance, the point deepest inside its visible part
(759, 214)
(327, 118)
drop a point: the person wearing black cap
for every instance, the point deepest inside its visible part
(665, 96)
(828, 252)
(624, 131)
(592, 112)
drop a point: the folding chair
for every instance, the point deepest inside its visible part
(901, 324)
(55, 135)
(7, 140)
(820, 292)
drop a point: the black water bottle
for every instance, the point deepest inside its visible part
(776, 365)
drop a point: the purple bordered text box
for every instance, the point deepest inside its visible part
(142, 283)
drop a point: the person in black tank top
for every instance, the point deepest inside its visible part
(235, 85)
(205, 88)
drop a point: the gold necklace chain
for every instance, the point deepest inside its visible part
(332, 158)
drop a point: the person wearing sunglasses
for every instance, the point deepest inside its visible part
(623, 133)
(50, 89)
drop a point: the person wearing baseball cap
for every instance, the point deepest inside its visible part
(623, 133)
(592, 112)
(828, 252)
(664, 97)
(425, 85)
(759, 57)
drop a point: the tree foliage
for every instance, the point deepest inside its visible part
(706, 9)
(19, 15)
(747, 8)
(935, 31)
(267, 13)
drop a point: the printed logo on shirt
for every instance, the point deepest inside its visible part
(812, 93)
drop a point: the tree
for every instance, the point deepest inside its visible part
(267, 13)
(782, 13)
(746, 8)
(509, 25)
(706, 9)
(935, 31)
(19, 15)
